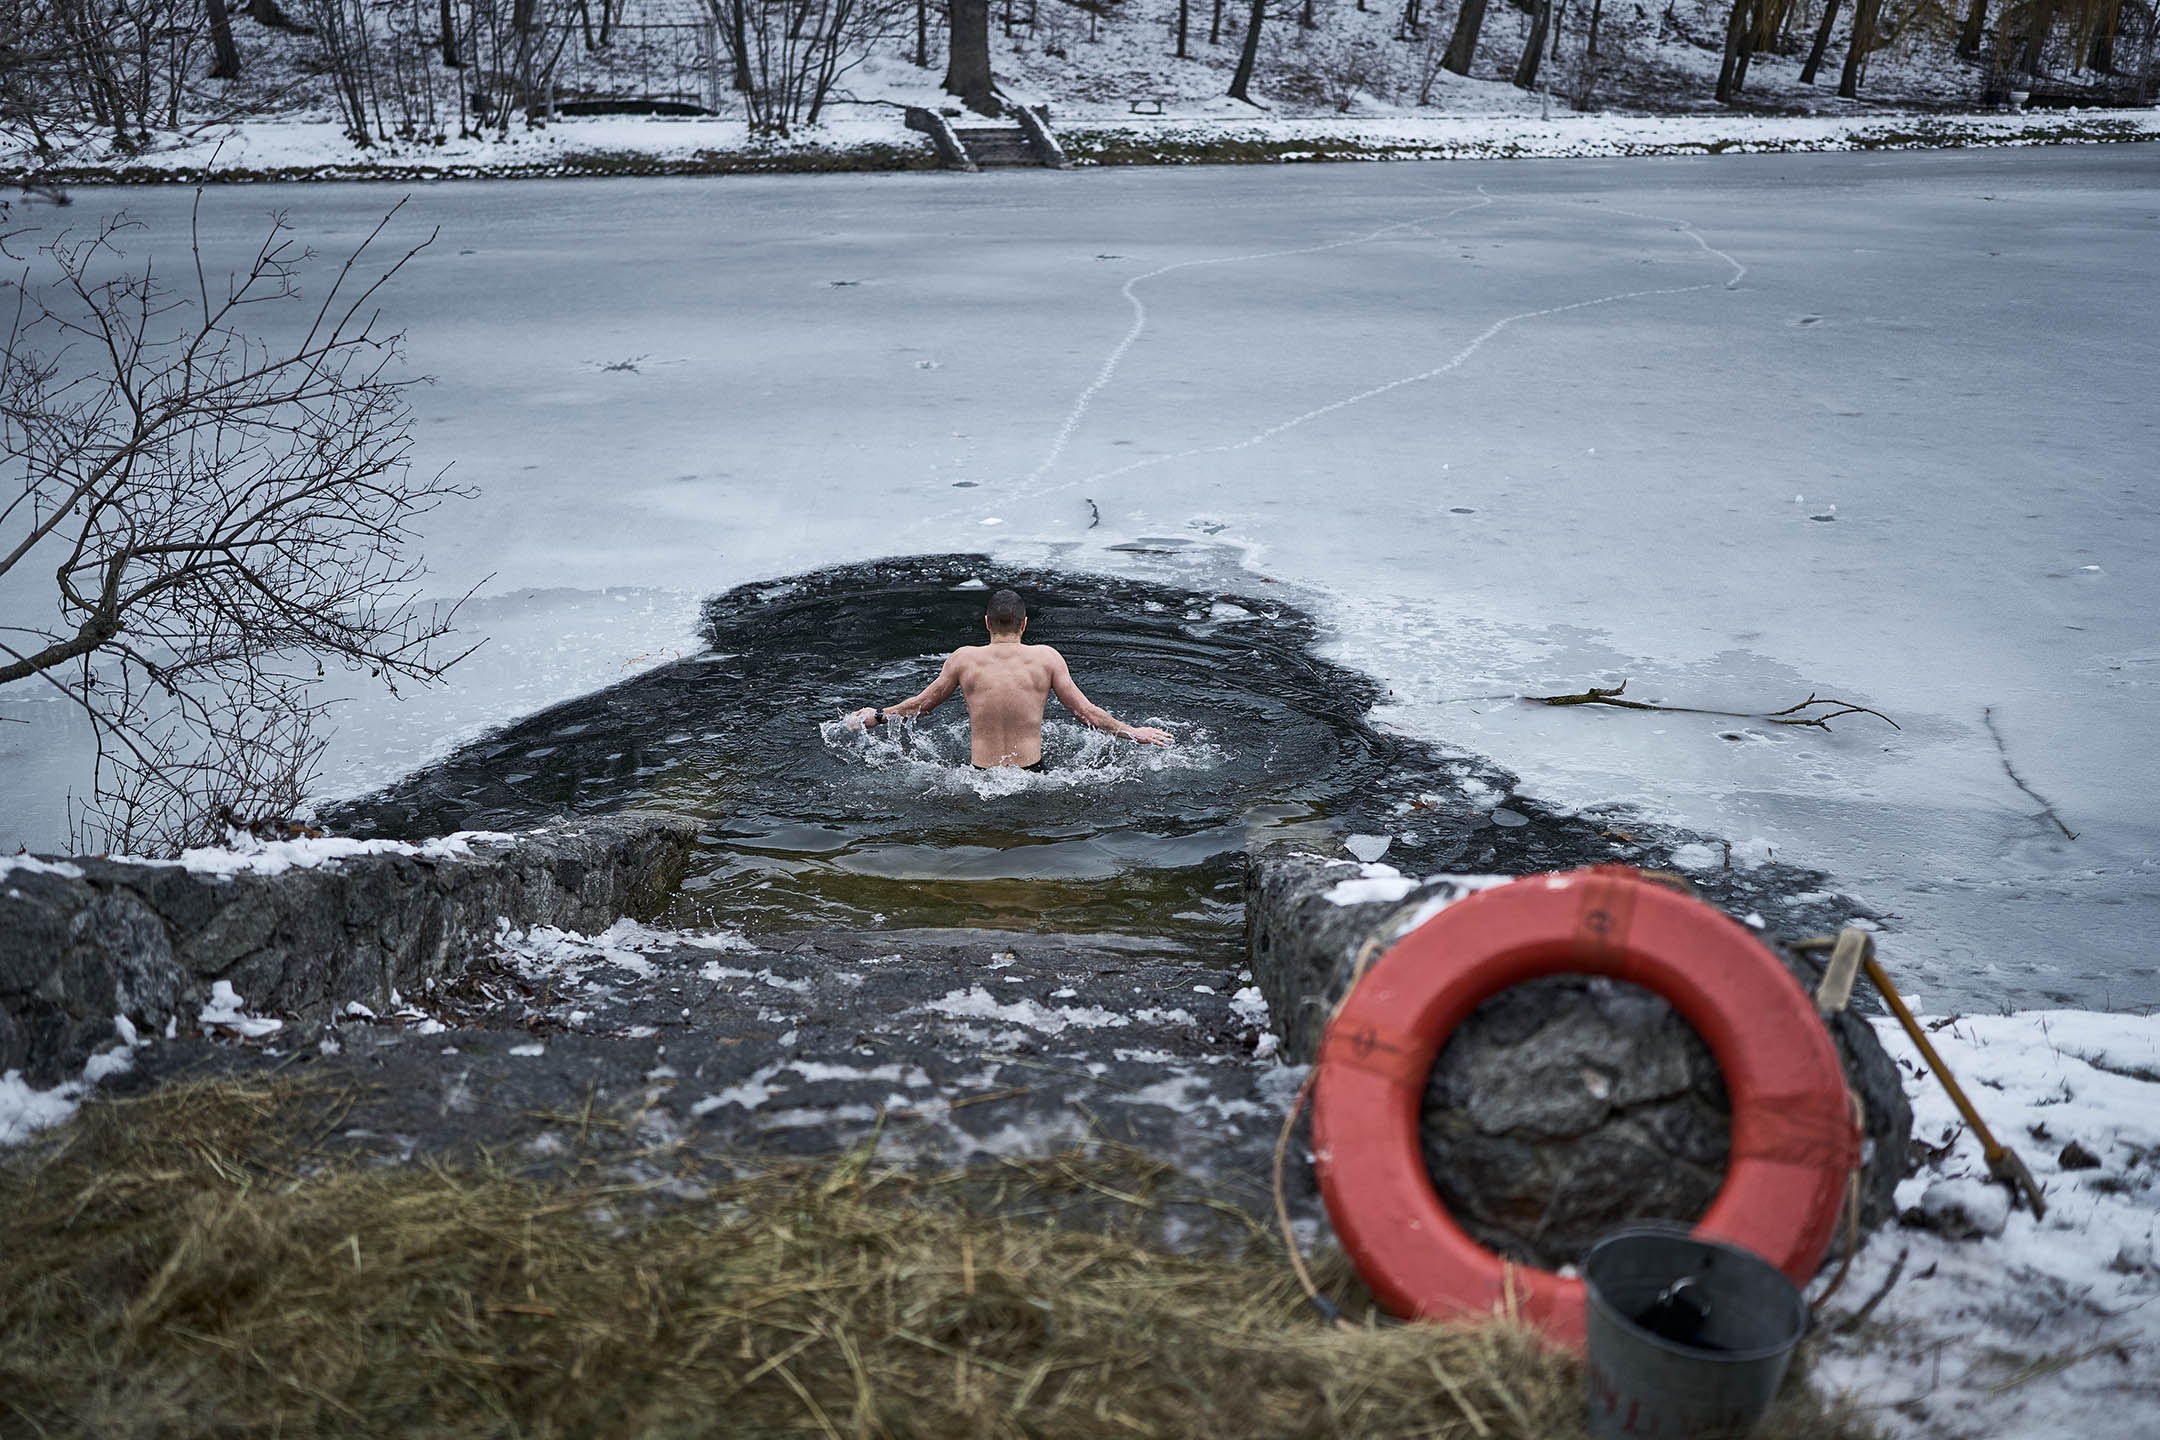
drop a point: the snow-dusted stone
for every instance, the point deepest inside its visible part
(1963, 1209)
(1563, 1108)
(298, 927)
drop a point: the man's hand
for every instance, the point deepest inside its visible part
(862, 719)
(1149, 735)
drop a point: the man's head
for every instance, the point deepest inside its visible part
(1007, 616)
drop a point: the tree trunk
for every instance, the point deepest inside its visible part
(1750, 37)
(967, 70)
(524, 16)
(1249, 55)
(738, 30)
(2042, 22)
(1822, 40)
(922, 34)
(1462, 45)
(227, 66)
(1737, 22)
(1533, 49)
(1559, 22)
(1184, 24)
(1214, 29)
(2101, 57)
(1597, 13)
(1857, 48)
(449, 36)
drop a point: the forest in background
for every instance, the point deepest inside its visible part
(112, 75)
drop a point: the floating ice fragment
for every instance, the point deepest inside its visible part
(1367, 847)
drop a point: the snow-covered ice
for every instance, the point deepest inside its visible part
(1508, 427)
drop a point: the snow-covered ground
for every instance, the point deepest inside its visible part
(868, 135)
(1735, 428)
(2050, 1327)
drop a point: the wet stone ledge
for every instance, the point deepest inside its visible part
(1566, 1107)
(296, 931)
(666, 1060)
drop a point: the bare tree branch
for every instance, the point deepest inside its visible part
(1805, 713)
(223, 514)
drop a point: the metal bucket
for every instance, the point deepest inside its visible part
(1687, 1339)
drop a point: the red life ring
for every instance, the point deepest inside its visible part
(1794, 1143)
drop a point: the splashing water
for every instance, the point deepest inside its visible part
(932, 758)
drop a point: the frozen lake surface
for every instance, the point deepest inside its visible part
(1737, 429)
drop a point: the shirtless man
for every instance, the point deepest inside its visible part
(1006, 683)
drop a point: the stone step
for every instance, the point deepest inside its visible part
(996, 145)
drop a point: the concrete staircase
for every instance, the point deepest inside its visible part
(1028, 141)
(995, 147)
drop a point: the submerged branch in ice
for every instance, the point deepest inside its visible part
(1804, 713)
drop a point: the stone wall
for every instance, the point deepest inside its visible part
(1563, 1108)
(84, 940)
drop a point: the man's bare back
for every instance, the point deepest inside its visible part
(1007, 683)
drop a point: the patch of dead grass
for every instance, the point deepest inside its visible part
(194, 1263)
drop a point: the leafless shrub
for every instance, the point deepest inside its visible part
(1352, 65)
(1431, 60)
(223, 514)
(789, 54)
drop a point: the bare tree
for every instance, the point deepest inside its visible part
(1857, 49)
(226, 65)
(1431, 51)
(2039, 23)
(1462, 45)
(1740, 24)
(788, 54)
(1822, 41)
(1249, 54)
(222, 513)
(1526, 69)
(967, 69)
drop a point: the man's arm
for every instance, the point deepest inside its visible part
(1088, 713)
(936, 693)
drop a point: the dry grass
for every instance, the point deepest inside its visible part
(191, 1264)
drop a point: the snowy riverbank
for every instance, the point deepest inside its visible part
(2041, 1329)
(874, 138)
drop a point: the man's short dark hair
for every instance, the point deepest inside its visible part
(1006, 612)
